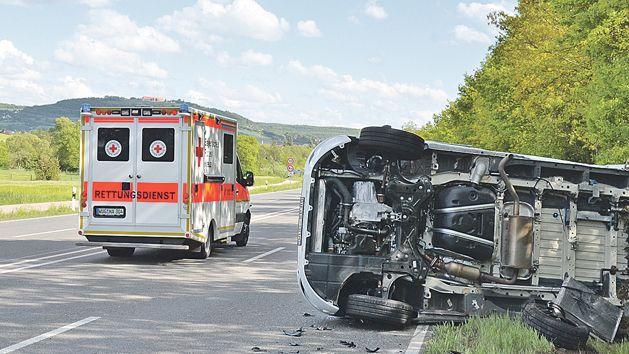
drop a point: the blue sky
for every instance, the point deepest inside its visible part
(343, 63)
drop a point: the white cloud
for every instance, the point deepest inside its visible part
(374, 10)
(374, 60)
(353, 19)
(373, 99)
(481, 10)
(249, 100)
(308, 28)
(469, 35)
(71, 87)
(18, 75)
(207, 22)
(253, 58)
(118, 47)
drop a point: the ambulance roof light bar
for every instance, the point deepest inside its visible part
(183, 108)
(86, 108)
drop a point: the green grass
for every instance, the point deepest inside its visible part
(275, 188)
(9, 175)
(502, 334)
(29, 213)
(262, 180)
(21, 190)
(493, 334)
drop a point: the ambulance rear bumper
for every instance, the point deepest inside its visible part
(133, 245)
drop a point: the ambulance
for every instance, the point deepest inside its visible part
(161, 177)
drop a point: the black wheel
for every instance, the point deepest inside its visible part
(120, 252)
(377, 309)
(206, 247)
(393, 143)
(243, 236)
(561, 333)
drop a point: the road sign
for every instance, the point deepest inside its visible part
(291, 160)
(290, 168)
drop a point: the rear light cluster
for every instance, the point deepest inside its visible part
(84, 199)
(136, 112)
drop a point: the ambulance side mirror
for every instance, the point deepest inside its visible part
(248, 178)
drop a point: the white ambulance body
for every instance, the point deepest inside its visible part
(161, 177)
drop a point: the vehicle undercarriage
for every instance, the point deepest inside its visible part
(394, 229)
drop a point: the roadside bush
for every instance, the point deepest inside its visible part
(4, 155)
(47, 168)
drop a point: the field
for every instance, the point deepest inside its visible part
(19, 187)
(502, 334)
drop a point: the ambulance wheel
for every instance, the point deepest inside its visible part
(120, 252)
(243, 236)
(206, 247)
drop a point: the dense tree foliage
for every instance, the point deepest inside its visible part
(67, 135)
(555, 84)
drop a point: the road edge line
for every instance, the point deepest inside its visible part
(418, 339)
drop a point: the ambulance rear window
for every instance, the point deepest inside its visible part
(228, 143)
(113, 144)
(158, 144)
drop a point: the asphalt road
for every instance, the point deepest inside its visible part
(58, 297)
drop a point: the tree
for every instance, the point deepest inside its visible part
(4, 155)
(555, 84)
(248, 151)
(46, 163)
(23, 150)
(67, 139)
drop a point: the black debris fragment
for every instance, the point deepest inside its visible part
(257, 350)
(348, 344)
(296, 333)
(369, 350)
(323, 328)
(306, 314)
(293, 344)
(319, 349)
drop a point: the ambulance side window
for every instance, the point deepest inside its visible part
(158, 144)
(228, 149)
(113, 144)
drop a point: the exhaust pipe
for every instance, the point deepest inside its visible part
(516, 243)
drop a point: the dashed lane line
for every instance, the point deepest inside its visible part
(263, 255)
(47, 335)
(47, 263)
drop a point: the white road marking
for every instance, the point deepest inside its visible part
(272, 215)
(40, 258)
(47, 263)
(263, 255)
(37, 254)
(44, 232)
(41, 217)
(417, 342)
(47, 335)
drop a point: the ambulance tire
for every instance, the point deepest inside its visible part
(391, 143)
(243, 236)
(120, 251)
(206, 247)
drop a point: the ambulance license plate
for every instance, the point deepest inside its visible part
(109, 212)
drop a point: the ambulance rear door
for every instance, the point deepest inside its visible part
(158, 171)
(112, 171)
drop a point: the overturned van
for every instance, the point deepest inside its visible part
(395, 229)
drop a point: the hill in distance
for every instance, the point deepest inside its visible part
(26, 118)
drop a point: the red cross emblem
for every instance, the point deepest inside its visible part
(113, 148)
(157, 149)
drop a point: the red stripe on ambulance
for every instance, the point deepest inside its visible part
(146, 192)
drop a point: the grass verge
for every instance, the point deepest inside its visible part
(30, 213)
(502, 334)
(276, 187)
(493, 334)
